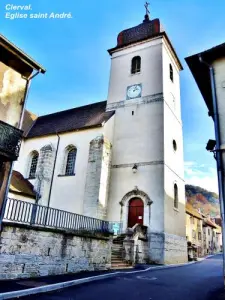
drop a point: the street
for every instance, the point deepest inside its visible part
(200, 281)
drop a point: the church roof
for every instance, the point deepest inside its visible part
(83, 117)
(146, 30)
(138, 33)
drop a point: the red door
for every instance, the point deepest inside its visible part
(135, 212)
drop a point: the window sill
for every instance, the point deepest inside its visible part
(63, 175)
(176, 209)
(138, 73)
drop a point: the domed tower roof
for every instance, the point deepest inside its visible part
(147, 29)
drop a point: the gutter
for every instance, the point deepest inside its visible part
(20, 54)
(218, 154)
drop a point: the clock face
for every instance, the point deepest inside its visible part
(134, 91)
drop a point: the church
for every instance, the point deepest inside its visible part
(120, 160)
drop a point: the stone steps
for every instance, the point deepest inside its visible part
(117, 261)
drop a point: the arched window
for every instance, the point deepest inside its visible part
(33, 165)
(175, 196)
(171, 72)
(70, 160)
(136, 65)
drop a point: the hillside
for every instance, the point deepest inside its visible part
(207, 201)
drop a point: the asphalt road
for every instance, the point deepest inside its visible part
(200, 281)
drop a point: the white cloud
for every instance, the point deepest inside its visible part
(201, 176)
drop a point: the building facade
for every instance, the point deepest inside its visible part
(194, 232)
(15, 75)
(208, 70)
(122, 159)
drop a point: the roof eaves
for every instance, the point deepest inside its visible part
(160, 34)
(65, 131)
(22, 194)
(20, 54)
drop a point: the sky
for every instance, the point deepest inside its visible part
(74, 52)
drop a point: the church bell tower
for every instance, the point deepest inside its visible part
(147, 175)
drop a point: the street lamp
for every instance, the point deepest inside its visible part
(134, 169)
(211, 145)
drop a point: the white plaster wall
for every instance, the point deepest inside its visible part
(172, 115)
(219, 71)
(67, 192)
(148, 179)
(150, 75)
(174, 218)
(109, 129)
(174, 161)
(138, 137)
(171, 90)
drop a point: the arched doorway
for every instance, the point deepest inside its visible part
(135, 212)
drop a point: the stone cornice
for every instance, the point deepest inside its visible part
(142, 164)
(144, 100)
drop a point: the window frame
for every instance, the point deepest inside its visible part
(71, 172)
(193, 234)
(67, 150)
(136, 69)
(175, 196)
(171, 72)
(32, 174)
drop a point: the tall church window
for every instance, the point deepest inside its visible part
(70, 160)
(33, 165)
(136, 65)
(171, 73)
(175, 196)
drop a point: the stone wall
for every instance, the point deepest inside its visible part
(167, 248)
(27, 251)
(156, 247)
(175, 249)
(142, 256)
(97, 178)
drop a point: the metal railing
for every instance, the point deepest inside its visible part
(34, 214)
(10, 141)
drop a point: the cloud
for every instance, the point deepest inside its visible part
(201, 175)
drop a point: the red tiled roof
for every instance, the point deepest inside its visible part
(191, 211)
(210, 223)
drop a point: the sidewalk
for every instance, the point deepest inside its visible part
(21, 287)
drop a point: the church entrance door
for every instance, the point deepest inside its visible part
(135, 212)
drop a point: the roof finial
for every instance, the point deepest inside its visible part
(147, 12)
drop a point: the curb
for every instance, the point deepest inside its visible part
(55, 286)
(61, 285)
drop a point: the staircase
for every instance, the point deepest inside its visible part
(117, 260)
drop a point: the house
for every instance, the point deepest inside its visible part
(120, 160)
(194, 232)
(210, 236)
(16, 73)
(208, 70)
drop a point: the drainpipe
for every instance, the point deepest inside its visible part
(53, 173)
(218, 154)
(26, 92)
